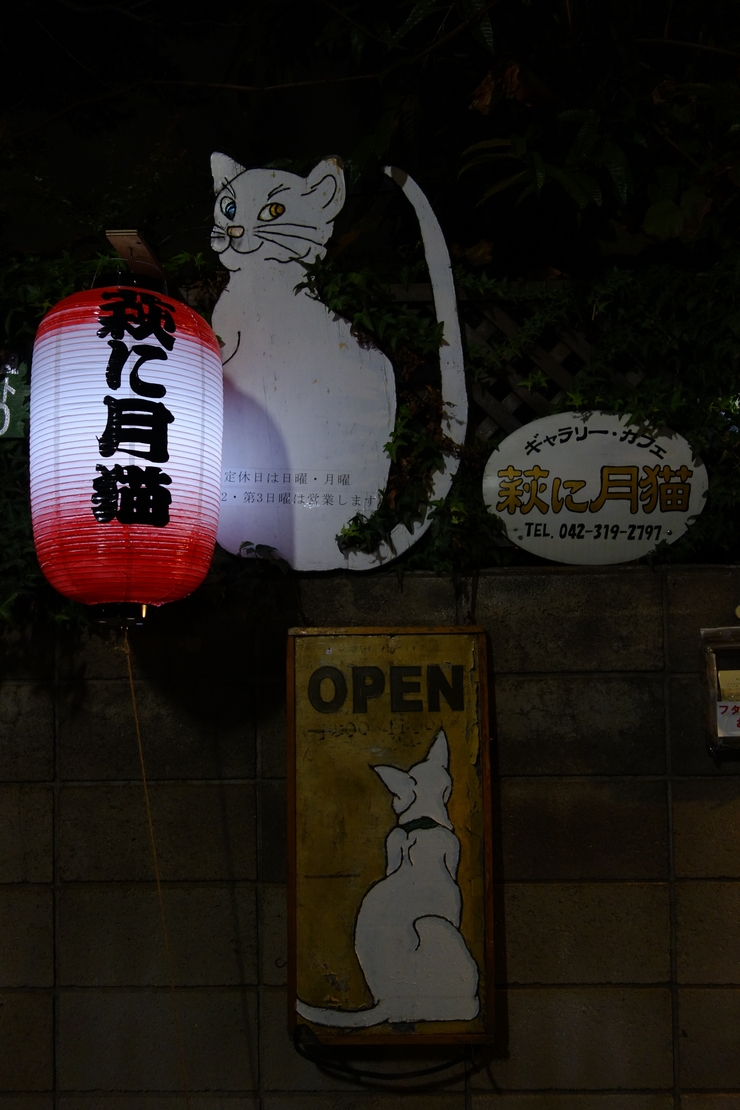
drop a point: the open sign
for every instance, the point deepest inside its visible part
(389, 848)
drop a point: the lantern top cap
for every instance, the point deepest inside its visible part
(136, 253)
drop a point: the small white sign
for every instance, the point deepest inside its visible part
(589, 488)
(728, 718)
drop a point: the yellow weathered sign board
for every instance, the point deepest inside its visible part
(390, 916)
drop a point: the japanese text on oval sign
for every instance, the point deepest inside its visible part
(569, 480)
(128, 493)
(525, 490)
(564, 435)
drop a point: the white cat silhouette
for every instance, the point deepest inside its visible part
(305, 406)
(407, 940)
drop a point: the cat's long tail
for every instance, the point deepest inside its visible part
(454, 396)
(342, 1019)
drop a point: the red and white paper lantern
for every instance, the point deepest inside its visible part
(126, 427)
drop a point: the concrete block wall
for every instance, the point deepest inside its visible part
(617, 842)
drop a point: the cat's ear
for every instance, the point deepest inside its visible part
(400, 784)
(326, 183)
(439, 752)
(224, 170)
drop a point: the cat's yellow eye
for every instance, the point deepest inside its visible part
(271, 211)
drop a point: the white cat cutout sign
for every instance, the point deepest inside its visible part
(307, 410)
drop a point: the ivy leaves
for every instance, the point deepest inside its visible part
(589, 153)
(659, 160)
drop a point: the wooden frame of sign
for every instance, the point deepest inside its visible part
(390, 889)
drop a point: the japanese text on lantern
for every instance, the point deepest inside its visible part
(128, 493)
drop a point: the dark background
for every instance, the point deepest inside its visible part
(110, 113)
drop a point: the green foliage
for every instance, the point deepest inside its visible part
(592, 155)
(367, 302)
(20, 575)
(681, 331)
(666, 352)
(31, 284)
(417, 447)
(634, 157)
(463, 535)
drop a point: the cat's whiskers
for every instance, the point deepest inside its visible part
(292, 257)
(289, 223)
(219, 241)
(288, 235)
(290, 254)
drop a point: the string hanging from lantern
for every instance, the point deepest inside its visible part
(155, 861)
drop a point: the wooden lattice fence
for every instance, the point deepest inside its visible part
(505, 403)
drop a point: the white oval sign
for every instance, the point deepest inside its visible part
(593, 488)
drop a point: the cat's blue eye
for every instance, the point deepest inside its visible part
(228, 207)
